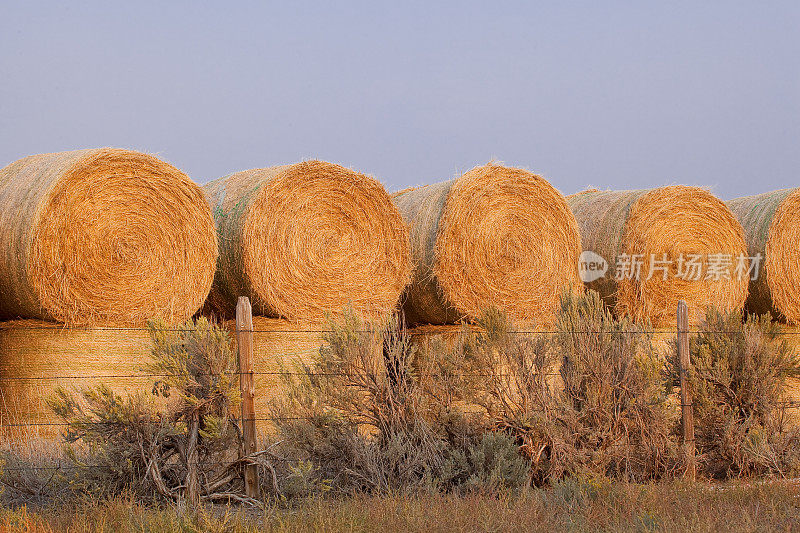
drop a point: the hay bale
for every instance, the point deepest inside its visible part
(305, 239)
(436, 342)
(676, 220)
(496, 237)
(102, 236)
(771, 223)
(36, 357)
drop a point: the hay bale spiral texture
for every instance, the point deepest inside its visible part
(771, 223)
(667, 222)
(306, 239)
(496, 237)
(102, 236)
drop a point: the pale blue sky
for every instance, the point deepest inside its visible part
(611, 94)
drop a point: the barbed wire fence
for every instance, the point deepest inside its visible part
(246, 373)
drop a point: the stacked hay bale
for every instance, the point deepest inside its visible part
(496, 237)
(671, 224)
(284, 349)
(771, 223)
(304, 241)
(100, 237)
(307, 239)
(36, 357)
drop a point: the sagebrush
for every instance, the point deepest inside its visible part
(738, 379)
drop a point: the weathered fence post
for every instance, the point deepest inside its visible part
(687, 416)
(244, 339)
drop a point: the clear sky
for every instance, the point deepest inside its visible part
(605, 93)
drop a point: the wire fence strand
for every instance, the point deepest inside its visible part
(791, 404)
(411, 332)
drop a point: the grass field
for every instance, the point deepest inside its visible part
(569, 506)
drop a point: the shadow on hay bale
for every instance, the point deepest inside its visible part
(667, 222)
(496, 237)
(771, 223)
(305, 239)
(102, 236)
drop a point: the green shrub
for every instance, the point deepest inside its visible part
(614, 392)
(491, 465)
(343, 414)
(738, 379)
(188, 450)
(362, 415)
(588, 400)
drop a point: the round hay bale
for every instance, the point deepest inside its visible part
(306, 239)
(667, 222)
(36, 357)
(102, 236)
(771, 223)
(496, 237)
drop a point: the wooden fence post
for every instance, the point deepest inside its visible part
(244, 338)
(687, 415)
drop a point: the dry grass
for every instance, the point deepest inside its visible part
(771, 222)
(305, 239)
(496, 237)
(669, 220)
(573, 506)
(102, 236)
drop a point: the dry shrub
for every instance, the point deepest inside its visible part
(770, 221)
(493, 409)
(589, 400)
(671, 221)
(366, 423)
(738, 380)
(187, 451)
(305, 239)
(496, 237)
(30, 473)
(103, 236)
(344, 414)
